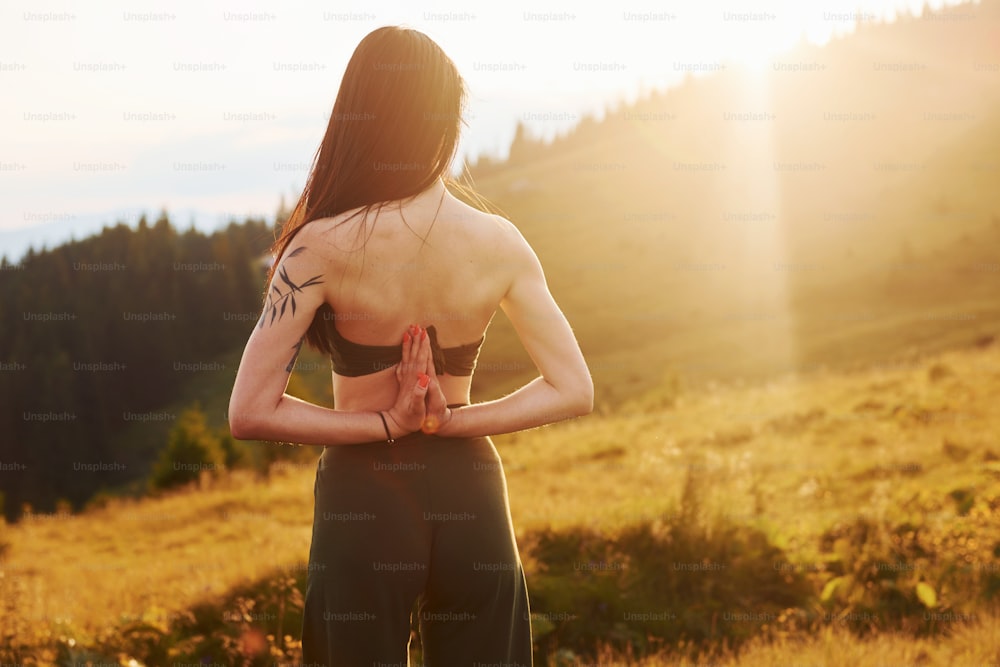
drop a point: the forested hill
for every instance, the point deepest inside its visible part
(100, 334)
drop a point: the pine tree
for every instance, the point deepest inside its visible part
(191, 449)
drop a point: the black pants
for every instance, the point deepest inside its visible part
(424, 520)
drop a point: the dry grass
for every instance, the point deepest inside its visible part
(796, 454)
(152, 558)
(976, 645)
(792, 457)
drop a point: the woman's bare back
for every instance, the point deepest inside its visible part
(432, 260)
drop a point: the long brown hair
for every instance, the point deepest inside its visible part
(393, 132)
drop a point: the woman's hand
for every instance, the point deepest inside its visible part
(438, 412)
(418, 363)
(410, 410)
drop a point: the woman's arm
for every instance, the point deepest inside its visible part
(259, 408)
(565, 388)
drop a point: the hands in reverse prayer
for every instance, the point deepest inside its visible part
(420, 402)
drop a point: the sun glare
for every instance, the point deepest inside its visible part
(753, 38)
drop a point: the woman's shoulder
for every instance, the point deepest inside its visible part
(504, 244)
(492, 228)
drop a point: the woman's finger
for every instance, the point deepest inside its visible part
(410, 347)
(428, 365)
(423, 354)
(407, 345)
(404, 354)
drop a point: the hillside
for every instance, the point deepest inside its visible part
(834, 475)
(837, 208)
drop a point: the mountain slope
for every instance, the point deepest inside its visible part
(745, 223)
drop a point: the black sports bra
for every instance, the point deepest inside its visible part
(354, 359)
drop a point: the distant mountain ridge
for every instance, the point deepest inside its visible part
(54, 229)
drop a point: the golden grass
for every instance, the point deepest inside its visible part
(797, 454)
(152, 558)
(974, 645)
(792, 456)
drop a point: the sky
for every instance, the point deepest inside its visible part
(214, 110)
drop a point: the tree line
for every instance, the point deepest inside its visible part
(100, 334)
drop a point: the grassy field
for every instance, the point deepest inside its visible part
(888, 476)
(974, 645)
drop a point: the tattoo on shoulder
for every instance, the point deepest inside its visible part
(278, 300)
(295, 355)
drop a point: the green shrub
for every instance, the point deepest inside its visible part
(686, 578)
(253, 626)
(192, 448)
(909, 576)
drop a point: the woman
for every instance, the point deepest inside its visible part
(380, 267)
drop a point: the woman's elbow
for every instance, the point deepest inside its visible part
(583, 403)
(244, 423)
(239, 429)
